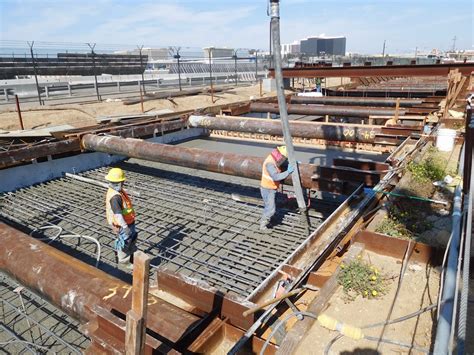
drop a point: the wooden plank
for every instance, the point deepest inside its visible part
(397, 110)
(457, 92)
(296, 334)
(136, 317)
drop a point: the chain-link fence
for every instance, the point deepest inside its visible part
(46, 71)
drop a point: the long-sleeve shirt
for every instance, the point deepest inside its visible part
(274, 174)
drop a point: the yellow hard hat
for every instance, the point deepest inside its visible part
(282, 150)
(115, 175)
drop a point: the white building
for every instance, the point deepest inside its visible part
(217, 53)
(291, 48)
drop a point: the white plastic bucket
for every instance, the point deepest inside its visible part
(445, 139)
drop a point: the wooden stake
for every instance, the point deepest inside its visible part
(141, 99)
(135, 332)
(397, 109)
(19, 111)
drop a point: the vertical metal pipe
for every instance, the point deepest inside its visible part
(19, 112)
(210, 75)
(467, 150)
(235, 66)
(468, 205)
(275, 30)
(141, 99)
(142, 69)
(449, 288)
(92, 46)
(35, 71)
(256, 66)
(179, 71)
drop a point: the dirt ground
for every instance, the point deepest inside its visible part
(418, 289)
(81, 115)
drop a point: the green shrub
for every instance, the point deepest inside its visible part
(432, 168)
(360, 278)
(394, 228)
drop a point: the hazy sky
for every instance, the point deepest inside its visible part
(405, 24)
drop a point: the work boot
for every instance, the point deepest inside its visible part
(264, 227)
(123, 257)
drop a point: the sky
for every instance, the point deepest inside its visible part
(403, 24)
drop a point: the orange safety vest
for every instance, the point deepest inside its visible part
(128, 212)
(267, 181)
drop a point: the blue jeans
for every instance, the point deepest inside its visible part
(128, 241)
(269, 209)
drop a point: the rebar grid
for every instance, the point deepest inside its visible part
(29, 324)
(187, 223)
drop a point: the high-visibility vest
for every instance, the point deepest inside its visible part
(128, 212)
(267, 181)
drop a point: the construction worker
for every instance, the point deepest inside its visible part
(120, 215)
(275, 169)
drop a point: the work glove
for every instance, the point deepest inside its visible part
(127, 231)
(290, 169)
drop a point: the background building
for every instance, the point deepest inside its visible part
(292, 48)
(318, 46)
(216, 52)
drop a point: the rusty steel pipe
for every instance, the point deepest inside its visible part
(347, 111)
(224, 163)
(354, 101)
(76, 287)
(310, 130)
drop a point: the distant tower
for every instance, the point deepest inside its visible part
(454, 43)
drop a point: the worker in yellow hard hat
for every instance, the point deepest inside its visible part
(275, 169)
(120, 215)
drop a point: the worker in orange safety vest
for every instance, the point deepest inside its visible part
(275, 169)
(120, 215)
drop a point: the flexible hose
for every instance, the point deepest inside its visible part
(79, 236)
(280, 323)
(374, 325)
(92, 239)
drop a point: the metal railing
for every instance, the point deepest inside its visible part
(453, 306)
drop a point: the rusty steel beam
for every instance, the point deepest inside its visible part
(313, 110)
(26, 154)
(382, 70)
(76, 287)
(224, 163)
(16, 156)
(310, 130)
(355, 101)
